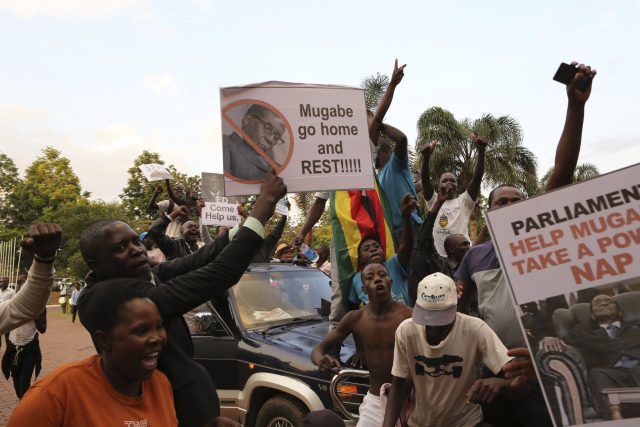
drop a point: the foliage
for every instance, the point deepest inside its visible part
(136, 195)
(74, 217)
(304, 201)
(506, 159)
(374, 88)
(583, 172)
(8, 174)
(49, 182)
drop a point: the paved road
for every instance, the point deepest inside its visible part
(62, 343)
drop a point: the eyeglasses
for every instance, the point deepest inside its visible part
(268, 127)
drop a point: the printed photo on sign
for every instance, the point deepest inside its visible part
(256, 139)
(213, 189)
(588, 351)
(571, 259)
(218, 209)
(155, 172)
(315, 137)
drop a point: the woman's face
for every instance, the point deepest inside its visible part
(135, 342)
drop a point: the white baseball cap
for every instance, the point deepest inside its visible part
(436, 302)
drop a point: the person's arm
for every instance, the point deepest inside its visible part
(312, 219)
(204, 233)
(167, 245)
(41, 322)
(474, 185)
(376, 122)
(184, 292)
(400, 388)
(320, 355)
(272, 239)
(178, 201)
(427, 186)
(397, 136)
(43, 240)
(569, 145)
(153, 205)
(485, 391)
(407, 206)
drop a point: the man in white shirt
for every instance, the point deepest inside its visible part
(454, 215)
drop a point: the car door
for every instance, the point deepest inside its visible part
(215, 346)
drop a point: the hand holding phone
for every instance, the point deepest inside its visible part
(566, 74)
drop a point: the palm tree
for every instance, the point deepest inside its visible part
(507, 161)
(583, 172)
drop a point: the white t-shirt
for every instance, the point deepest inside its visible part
(443, 374)
(174, 229)
(453, 218)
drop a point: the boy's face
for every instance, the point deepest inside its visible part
(376, 282)
(121, 254)
(135, 342)
(370, 251)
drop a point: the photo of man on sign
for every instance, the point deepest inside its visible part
(259, 144)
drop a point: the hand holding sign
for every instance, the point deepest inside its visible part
(271, 190)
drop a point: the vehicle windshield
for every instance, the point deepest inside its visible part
(265, 298)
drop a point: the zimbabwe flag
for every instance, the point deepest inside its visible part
(357, 214)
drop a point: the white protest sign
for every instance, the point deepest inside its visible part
(314, 136)
(281, 207)
(566, 248)
(155, 172)
(218, 209)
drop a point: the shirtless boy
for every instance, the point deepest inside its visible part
(375, 326)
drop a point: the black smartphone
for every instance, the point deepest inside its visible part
(565, 75)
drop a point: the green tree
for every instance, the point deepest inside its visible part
(136, 195)
(8, 175)
(583, 172)
(506, 160)
(49, 182)
(374, 88)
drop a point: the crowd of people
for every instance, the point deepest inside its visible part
(430, 311)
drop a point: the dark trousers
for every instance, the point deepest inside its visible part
(601, 378)
(74, 311)
(20, 362)
(195, 404)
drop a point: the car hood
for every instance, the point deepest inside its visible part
(296, 342)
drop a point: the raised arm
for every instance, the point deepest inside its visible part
(43, 241)
(176, 199)
(153, 205)
(375, 125)
(425, 174)
(474, 186)
(407, 205)
(320, 355)
(397, 136)
(272, 239)
(569, 145)
(167, 245)
(312, 219)
(400, 388)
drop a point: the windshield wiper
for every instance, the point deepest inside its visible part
(292, 322)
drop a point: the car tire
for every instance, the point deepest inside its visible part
(281, 411)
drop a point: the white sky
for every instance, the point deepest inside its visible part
(102, 80)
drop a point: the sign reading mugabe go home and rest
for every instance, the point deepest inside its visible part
(314, 136)
(577, 237)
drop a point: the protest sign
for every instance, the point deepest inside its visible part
(155, 172)
(218, 209)
(559, 252)
(314, 136)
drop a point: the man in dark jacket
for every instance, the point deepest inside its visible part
(181, 246)
(112, 249)
(611, 348)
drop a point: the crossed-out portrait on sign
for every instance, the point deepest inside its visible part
(256, 138)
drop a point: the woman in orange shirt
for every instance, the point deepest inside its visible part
(120, 386)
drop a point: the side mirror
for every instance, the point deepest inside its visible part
(204, 322)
